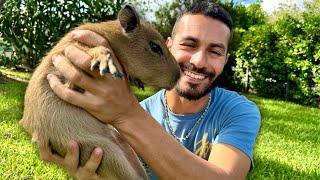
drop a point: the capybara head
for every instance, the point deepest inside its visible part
(144, 54)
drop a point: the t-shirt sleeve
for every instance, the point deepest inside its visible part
(240, 126)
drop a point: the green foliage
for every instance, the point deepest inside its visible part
(243, 18)
(32, 27)
(275, 59)
(6, 53)
(282, 59)
(312, 6)
(165, 18)
(167, 14)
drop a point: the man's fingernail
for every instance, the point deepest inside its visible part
(72, 144)
(74, 34)
(49, 76)
(98, 151)
(54, 58)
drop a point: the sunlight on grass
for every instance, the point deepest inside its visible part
(288, 144)
(23, 76)
(143, 94)
(18, 158)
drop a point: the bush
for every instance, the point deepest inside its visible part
(6, 54)
(282, 59)
(32, 27)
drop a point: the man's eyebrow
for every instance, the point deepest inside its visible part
(190, 38)
(211, 45)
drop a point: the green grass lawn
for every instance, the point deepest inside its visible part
(288, 146)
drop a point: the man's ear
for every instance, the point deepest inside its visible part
(128, 18)
(227, 58)
(169, 42)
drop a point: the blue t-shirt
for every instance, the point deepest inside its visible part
(231, 119)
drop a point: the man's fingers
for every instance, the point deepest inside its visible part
(78, 57)
(94, 161)
(47, 155)
(72, 155)
(65, 93)
(89, 38)
(74, 75)
(81, 59)
(71, 160)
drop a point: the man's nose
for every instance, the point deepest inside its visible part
(199, 59)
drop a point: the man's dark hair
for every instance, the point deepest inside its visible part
(209, 9)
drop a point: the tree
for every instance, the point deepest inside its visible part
(312, 6)
(281, 59)
(32, 27)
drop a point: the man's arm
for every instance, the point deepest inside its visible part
(112, 102)
(170, 160)
(230, 159)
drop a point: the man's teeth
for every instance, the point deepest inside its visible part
(195, 76)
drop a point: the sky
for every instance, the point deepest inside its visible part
(271, 5)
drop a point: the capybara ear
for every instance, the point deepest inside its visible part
(128, 18)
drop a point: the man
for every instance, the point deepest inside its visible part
(194, 131)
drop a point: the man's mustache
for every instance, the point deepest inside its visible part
(193, 68)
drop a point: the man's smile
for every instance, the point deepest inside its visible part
(194, 75)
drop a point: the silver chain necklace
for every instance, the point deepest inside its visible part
(173, 133)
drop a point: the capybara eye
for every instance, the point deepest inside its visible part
(155, 48)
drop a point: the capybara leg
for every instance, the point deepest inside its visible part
(103, 59)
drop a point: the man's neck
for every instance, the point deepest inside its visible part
(180, 105)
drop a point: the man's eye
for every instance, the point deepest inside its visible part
(216, 53)
(155, 48)
(187, 45)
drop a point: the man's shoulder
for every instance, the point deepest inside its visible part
(239, 120)
(153, 100)
(224, 95)
(232, 101)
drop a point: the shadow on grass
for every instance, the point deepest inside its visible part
(267, 169)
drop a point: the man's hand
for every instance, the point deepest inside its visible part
(109, 100)
(71, 161)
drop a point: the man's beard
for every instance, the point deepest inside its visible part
(195, 94)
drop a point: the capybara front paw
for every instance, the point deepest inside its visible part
(102, 59)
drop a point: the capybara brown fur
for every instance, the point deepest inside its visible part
(51, 121)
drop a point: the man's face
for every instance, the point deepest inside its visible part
(200, 47)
